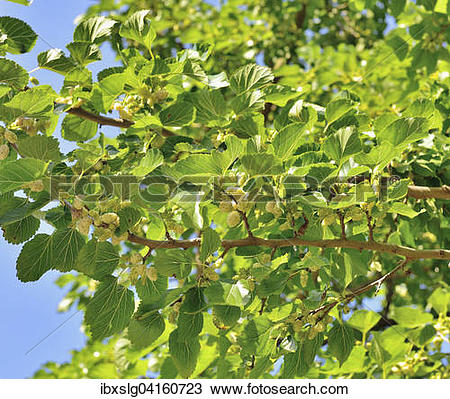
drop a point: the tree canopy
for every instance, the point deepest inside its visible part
(273, 203)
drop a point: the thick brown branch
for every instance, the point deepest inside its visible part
(102, 120)
(420, 192)
(409, 253)
(106, 121)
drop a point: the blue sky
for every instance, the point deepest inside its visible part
(28, 310)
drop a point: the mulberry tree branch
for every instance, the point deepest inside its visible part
(407, 252)
(107, 121)
(420, 192)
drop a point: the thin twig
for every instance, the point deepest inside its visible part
(370, 225)
(362, 289)
(341, 220)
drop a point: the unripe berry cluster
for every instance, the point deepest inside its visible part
(274, 208)
(31, 126)
(306, 324)
(4, 151)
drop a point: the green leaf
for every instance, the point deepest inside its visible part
(67, 243)
(341, 340)
(145, 330)
(355, 361)
(106, 91)
(151, 291)
(262, 164)
(379, 156)
(94, 30)
(377, 352)
(84, 52)
(274, 284)
(173, 263)
(78, 129)
(33, 103)
(184, 351)
(190, 324)
(399, 46)
(128, 217)
(398, 189)
(279, 95)
(137, 27)
(14, 174)
(441, 6)
(210, 243)
(152, 159)
(440, 300)
(223, 293)
(55, 60)
(411, 317)
(210, 105)
(256, 339)
(404, 131)
(22, 230)
(199, 51)
(299, 362)
(423, 57)
(337, 108)
(16, 208)
(97, 259)
(227, 315)
(421, 336)
(59, 217)
(288, 140)
(4, 91)
(403, 209)
(13, 74)
(110, 309)
(194, 301)
(422, 107)
(397, 6)
(40, 147)
(262, 365)
(343, 144)
(23, 2)
(248, 101)
(363, 320)
(248, 126)
(35, 258)
(225, 159)
(178, 114)
(20, 38)
(197, 164)
(250, 77)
